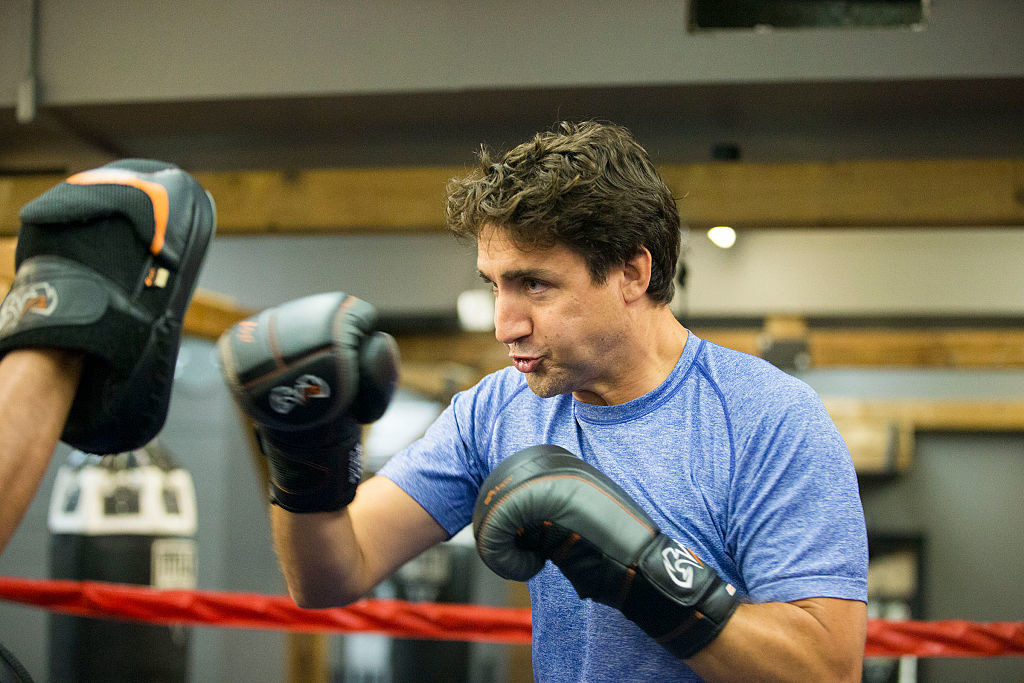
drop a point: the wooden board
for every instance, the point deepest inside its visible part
(894, 193)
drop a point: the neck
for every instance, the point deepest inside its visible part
(651, 347)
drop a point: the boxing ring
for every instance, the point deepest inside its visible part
(430, 620)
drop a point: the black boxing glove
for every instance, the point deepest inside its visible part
(543, 503)
(309, 372)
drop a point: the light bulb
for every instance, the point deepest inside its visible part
(722, 236)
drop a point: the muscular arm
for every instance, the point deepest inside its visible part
(36, 390)
(334, 558)
(818, 639)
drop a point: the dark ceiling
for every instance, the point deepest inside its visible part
(762, 122)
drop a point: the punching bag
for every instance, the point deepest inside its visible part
(124, 518)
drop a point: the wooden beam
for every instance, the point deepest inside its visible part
(17, 191)
(880, 433)
(210, 314)
(478, 351)
(931, 193)
(330, 200)
(955, 347)
(438, 379)
(962, 347)
(930, 415)
(879, 444)
(935, 193)
(294, 202)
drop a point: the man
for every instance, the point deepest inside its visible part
(720, 458)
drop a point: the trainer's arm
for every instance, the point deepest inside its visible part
(333, 558)
(36, 390)
(818, 639)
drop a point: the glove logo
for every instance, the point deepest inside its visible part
(37, 299)
(306, 388)
(355, 465)
(680, 563)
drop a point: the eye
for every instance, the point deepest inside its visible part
(490, 284)
(532, 285)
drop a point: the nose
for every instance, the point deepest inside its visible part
(511, 320)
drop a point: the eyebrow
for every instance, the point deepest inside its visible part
(522, 274)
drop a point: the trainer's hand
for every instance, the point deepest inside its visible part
(106, 265)
(543, 503)
(309, 372)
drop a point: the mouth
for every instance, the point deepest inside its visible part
(525, 364)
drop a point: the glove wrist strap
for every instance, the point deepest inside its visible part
(320, 478)
(681, 602)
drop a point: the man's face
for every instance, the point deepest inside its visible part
(562, 330)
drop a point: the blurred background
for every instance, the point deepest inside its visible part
(867, 154)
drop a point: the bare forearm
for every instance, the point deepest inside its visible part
(788, 641)
(318, 556)
(334, 558)
(36, 390)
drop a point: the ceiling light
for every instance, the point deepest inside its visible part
(476, 310)
(722, 236)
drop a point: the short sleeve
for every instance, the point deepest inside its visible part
(439, 470)
(796, 521)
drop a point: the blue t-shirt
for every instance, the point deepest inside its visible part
(732, 457)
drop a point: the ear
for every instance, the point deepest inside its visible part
(636, 275)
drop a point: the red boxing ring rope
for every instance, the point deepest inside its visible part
(397, 618)
(274, 612)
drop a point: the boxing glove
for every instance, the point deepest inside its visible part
(309, 372)
(543, 504)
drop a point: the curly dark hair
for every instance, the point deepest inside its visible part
(588, 186)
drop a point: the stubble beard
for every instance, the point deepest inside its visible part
(548, 382)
